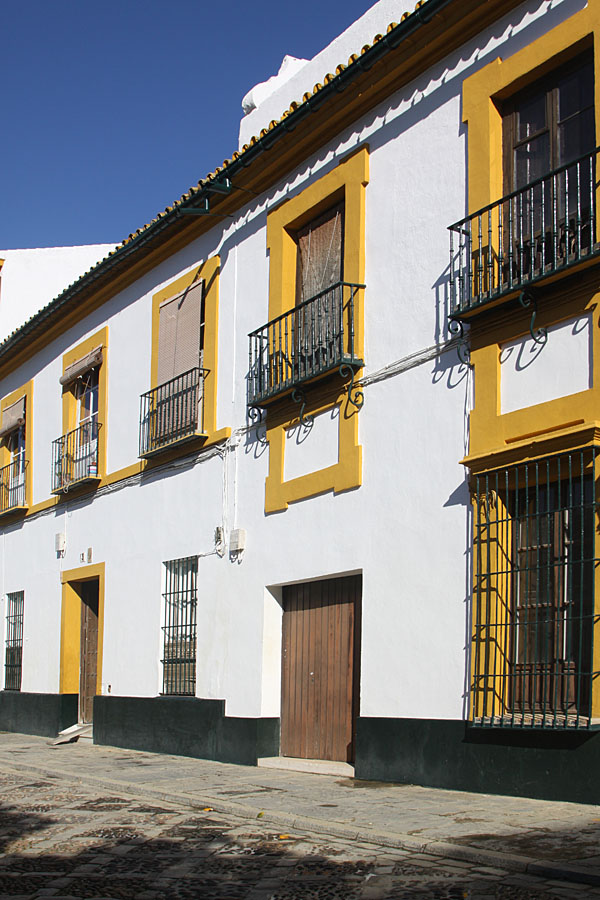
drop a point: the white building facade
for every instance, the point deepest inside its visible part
(342, 538)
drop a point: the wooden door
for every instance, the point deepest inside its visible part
(320, 668)
(88, 668)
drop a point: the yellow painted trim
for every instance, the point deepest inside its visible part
(344, 475)
(209, 271)
(69, 402)
(489, 428)
(217, 437)
(546, 443)
(496, 439)
(43, 505)
(27, 391)
(348, 181)
(70, 626)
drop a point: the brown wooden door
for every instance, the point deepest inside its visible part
(88, 591)
(320, 668)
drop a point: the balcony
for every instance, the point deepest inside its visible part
(304, 344)
(535, 233)
(12, 486)
(75, 457)
(172, 413)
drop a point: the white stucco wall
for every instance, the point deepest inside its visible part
(534, 372)
(31, 278)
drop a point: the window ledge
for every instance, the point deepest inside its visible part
(87, 481)
(14, 511)
(537, 722)
(175, 445)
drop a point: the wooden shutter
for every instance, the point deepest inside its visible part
(320, 254)
(81, 366)
(13, 417)
(180, 334)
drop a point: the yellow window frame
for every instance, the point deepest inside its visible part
(69, 398)
(347, 182)
(25, 390)
(208, 271)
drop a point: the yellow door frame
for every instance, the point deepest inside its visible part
(70, 626)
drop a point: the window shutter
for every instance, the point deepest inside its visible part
(81, 366)
(13, 417)
(320, 254)
(180, 333)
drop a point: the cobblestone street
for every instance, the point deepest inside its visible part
(66, 840)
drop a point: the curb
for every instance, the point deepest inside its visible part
(509, 861)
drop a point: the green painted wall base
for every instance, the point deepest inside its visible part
(449, 754)
(185, 726)
(43, 714)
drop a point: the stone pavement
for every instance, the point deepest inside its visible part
(70, 841)
(529, 838)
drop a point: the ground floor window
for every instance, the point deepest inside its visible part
(179, 625)
(533, 612)
(13, 664)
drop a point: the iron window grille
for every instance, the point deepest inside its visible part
(172, 412)
(13, 660)
(531, 233)
(179, 630)
(75, 456)
(313, 338)
(533, 611)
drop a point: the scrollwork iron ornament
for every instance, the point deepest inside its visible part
(355, 396)
(298, 396)
(255, 414)
(456, 329)
(527, 301)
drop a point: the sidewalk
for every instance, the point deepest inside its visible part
(548, 839)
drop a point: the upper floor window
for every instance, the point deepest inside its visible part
(181, 333)
(546, 219)
(75, 454)
(86, 392)
(549, 125)
(320, 259)
(12, 475)
(173, 410)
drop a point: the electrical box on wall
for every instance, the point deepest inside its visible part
(60, 542)
(237, 540)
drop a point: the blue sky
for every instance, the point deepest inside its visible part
(111, 109)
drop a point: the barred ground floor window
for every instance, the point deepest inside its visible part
(13, 664)
(179, 625)
(534, 616)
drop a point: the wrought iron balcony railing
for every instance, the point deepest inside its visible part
(528, 235)
(75, 457)
(311, 339)
(172, 412)
(12, 485)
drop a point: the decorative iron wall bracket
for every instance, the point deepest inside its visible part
(456, 329)
(298, 396)
(255, 414)
(528, 301)
(355, 396)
